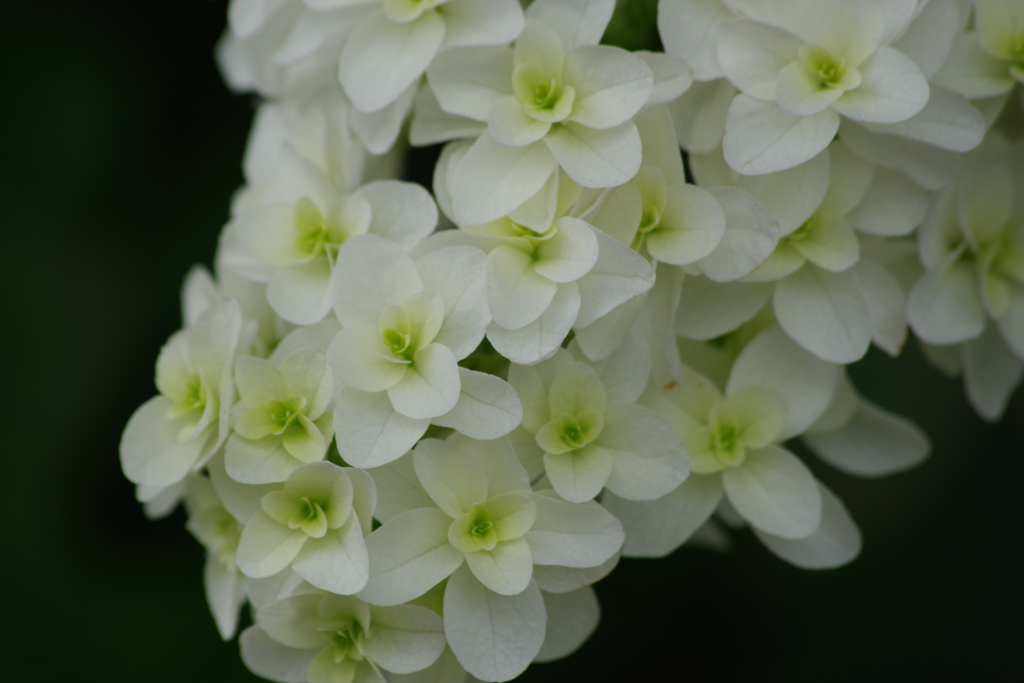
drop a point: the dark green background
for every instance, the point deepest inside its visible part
(121, 149)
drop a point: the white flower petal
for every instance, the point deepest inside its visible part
(382, 58)
(481, 22)
(948, 122)
(258, 462)
(225, 593)
(929, 38)
(579, 475)
(408, 556)
(430, 386)
(872, 443)
(825, 313)
(672, 77)
(649, 459)
(151, 453)
(369, 431)
(596, 158)
(338, 562)
(516, 293)
(571, 534)
(991, 373)
(552, 578)
(773, 362)
(491, 180)
(405, 638)
(972, 72)
(751, 235)
(655, 528)
(892, 89)
(578, 22)
(510, 125)
(834, 543)
(699, 115)
(945, 307)
(761, 138)
(775, 492)
(691, 227)
(610, 84)
(452, 477)
(267, 547)
(379, 131)
(495, 637)
(710, 309)
(488, 407)
(570, 254)
(892, 207)
(468, 81)
(270, 659)
(431, 124)
(371, 273)
(752, 55)
(506, 570)
(404, 213)
(687, 31)
(886, 304)
(542, 337)
(618, 275)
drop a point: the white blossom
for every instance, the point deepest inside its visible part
(557, 99)
(315, 524)
(176, 431)
(324, 638)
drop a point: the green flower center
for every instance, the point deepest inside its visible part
(728, 446)
(309, 516)
(347, 643)
(194, 398)
(283, 413)
(313, 233)
(542, 95)
(827, 70)
(649, 220)
(399, 343)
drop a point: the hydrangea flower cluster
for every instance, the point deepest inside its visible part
(412, 439)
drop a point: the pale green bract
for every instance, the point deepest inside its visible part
(582, 345)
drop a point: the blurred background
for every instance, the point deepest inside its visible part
(121, 149)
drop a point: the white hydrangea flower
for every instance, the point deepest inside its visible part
(315, 524)
(589, 436)
(800, 66)
(721, 232)
(557, 99)
(319, 128)
(394, 42)
(174, 432)
(376, 49)
(405, 325)
(775, 391)
(291, 237)
(324, 638)
(989, 60)
(829, 296)
(482, 526)
(972, 248)
(548, 268)
(219, 532)
(282, 421)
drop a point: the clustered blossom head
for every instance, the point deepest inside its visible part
(412, 429)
